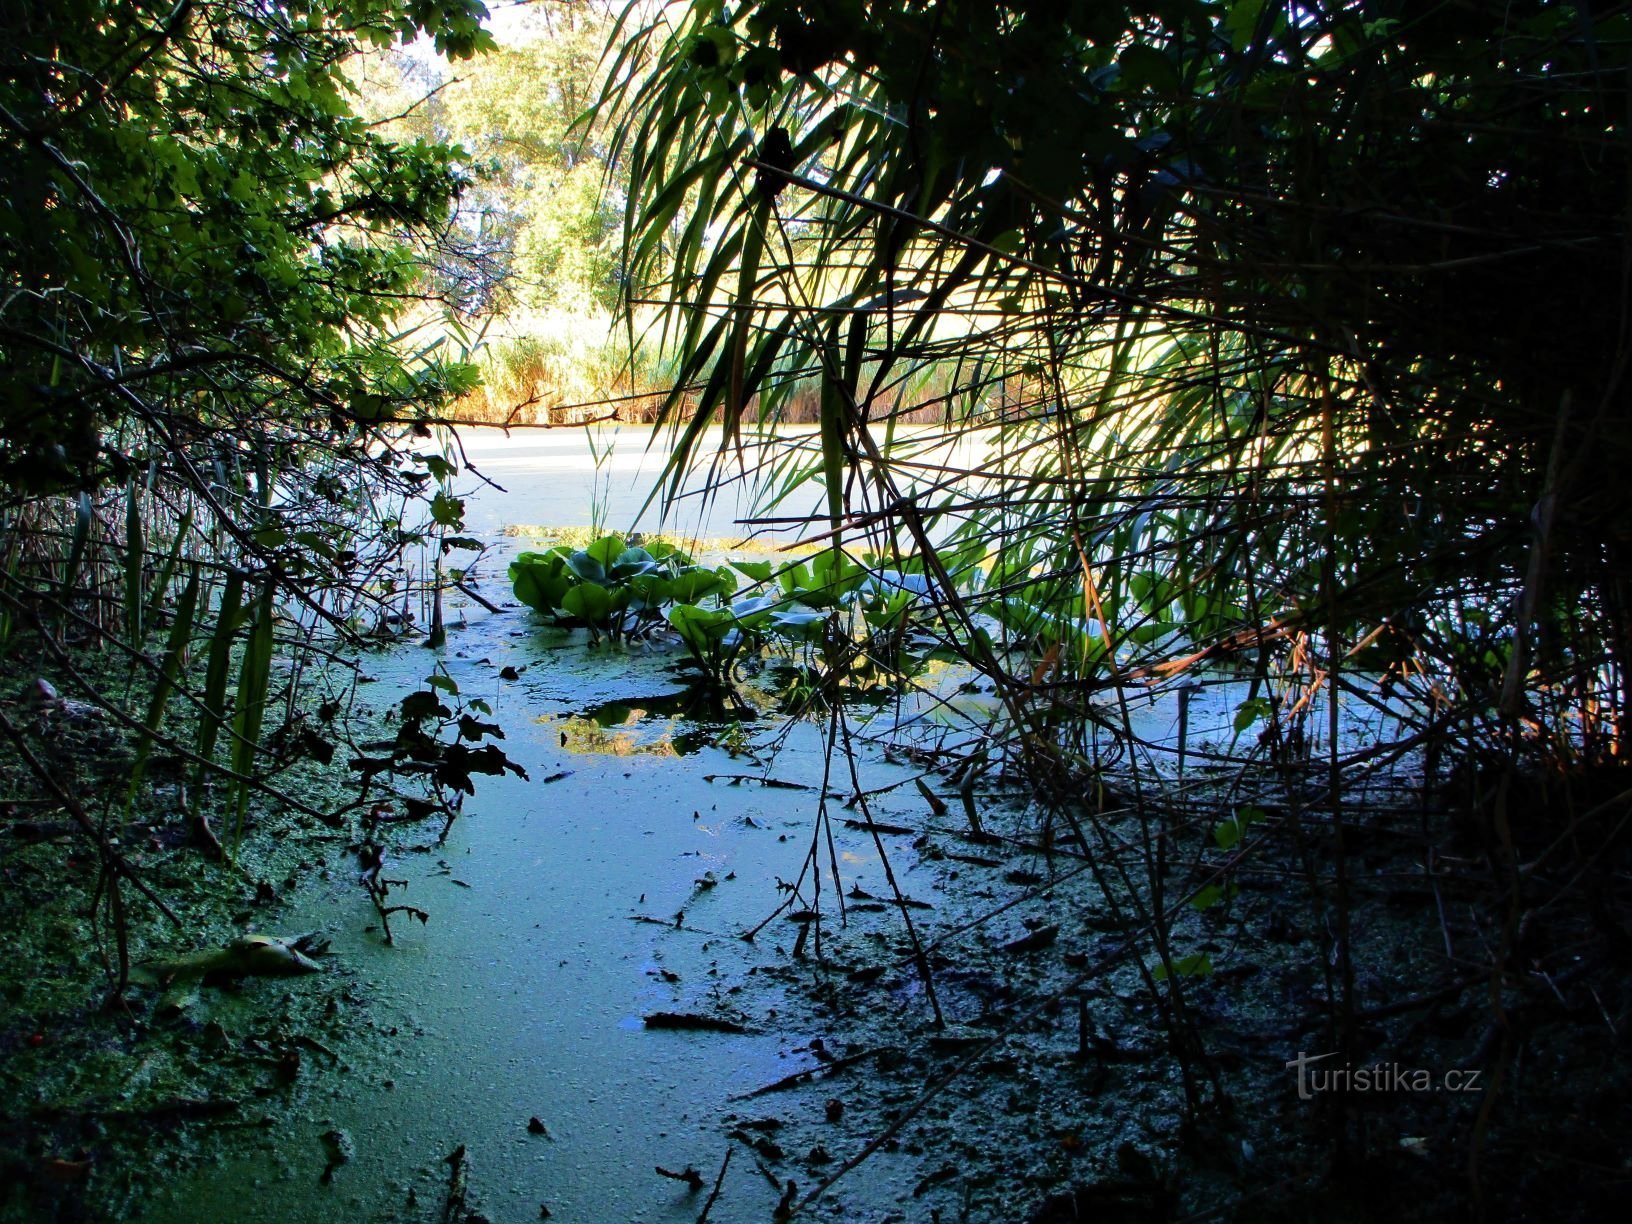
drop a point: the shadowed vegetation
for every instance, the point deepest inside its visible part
(1305, 328)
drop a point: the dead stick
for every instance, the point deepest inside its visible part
(702, 1216)
(481, 599)
(453, 1208)
(800, 1077)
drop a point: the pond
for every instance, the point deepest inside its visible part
(614, 883)
(617, 882)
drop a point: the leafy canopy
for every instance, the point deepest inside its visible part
(1297, 312)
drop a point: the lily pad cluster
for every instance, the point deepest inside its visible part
(612, 587)
(620, 590)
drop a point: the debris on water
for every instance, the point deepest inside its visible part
(762, 1144)
(943, 1174)
(288, 1066)
(768, 783)
(957, 1041)
(692, 1021)
(784, 1208)
(974, 860)
(535, 1126)
(338, 1146)
(453, 1206)
(936, 804)
(875, 826)
(247, 956)
(39, 692)
(689, 1175)
(885, 1054)
(1041, 938)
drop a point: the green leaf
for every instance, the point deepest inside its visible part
(587, 567)
(1241, 21)
(541, 580)
(1250, 711)
(798, 624)
(631, 562)
(606, 550)
(448, 511)
(1229, 832)
(589, 602)
(1196, 965)
(1009, 242)
(1144, 67)
(697, 583)
(1207, 897)
(416, 707)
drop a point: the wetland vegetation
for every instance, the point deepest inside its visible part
(1106, 699)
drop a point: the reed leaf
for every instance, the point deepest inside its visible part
(161, 585)
(134, 602)
(228, 616)
(175, 659)
(249, 708)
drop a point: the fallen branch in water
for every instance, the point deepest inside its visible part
(702, 1216)
(689, 1175)
(873, 826)
(799, 1078)
(693, 1021)
(479, 598)
(453, 1207)
(770, 783)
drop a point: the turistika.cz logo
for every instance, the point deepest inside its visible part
(1377, 1077)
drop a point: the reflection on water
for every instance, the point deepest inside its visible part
(667, 724)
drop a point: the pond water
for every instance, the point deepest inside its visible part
(615, 883)
(605, 475)
(556, 926)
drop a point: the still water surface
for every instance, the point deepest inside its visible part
(523, 996)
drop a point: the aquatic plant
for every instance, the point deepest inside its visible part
(612, 587)
(1277, 315)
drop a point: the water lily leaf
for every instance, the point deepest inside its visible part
(541, 579)
(588, 602)
(697, 583)
(798, 624)
(587, 567)
(754, 611)
(632, 562)
(607, 550)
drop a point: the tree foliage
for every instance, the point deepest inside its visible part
(538, 219)
(213, 417)
(200, 232)
(1303, 318)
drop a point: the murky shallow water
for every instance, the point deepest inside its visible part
(615, 883)
(523, 996)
